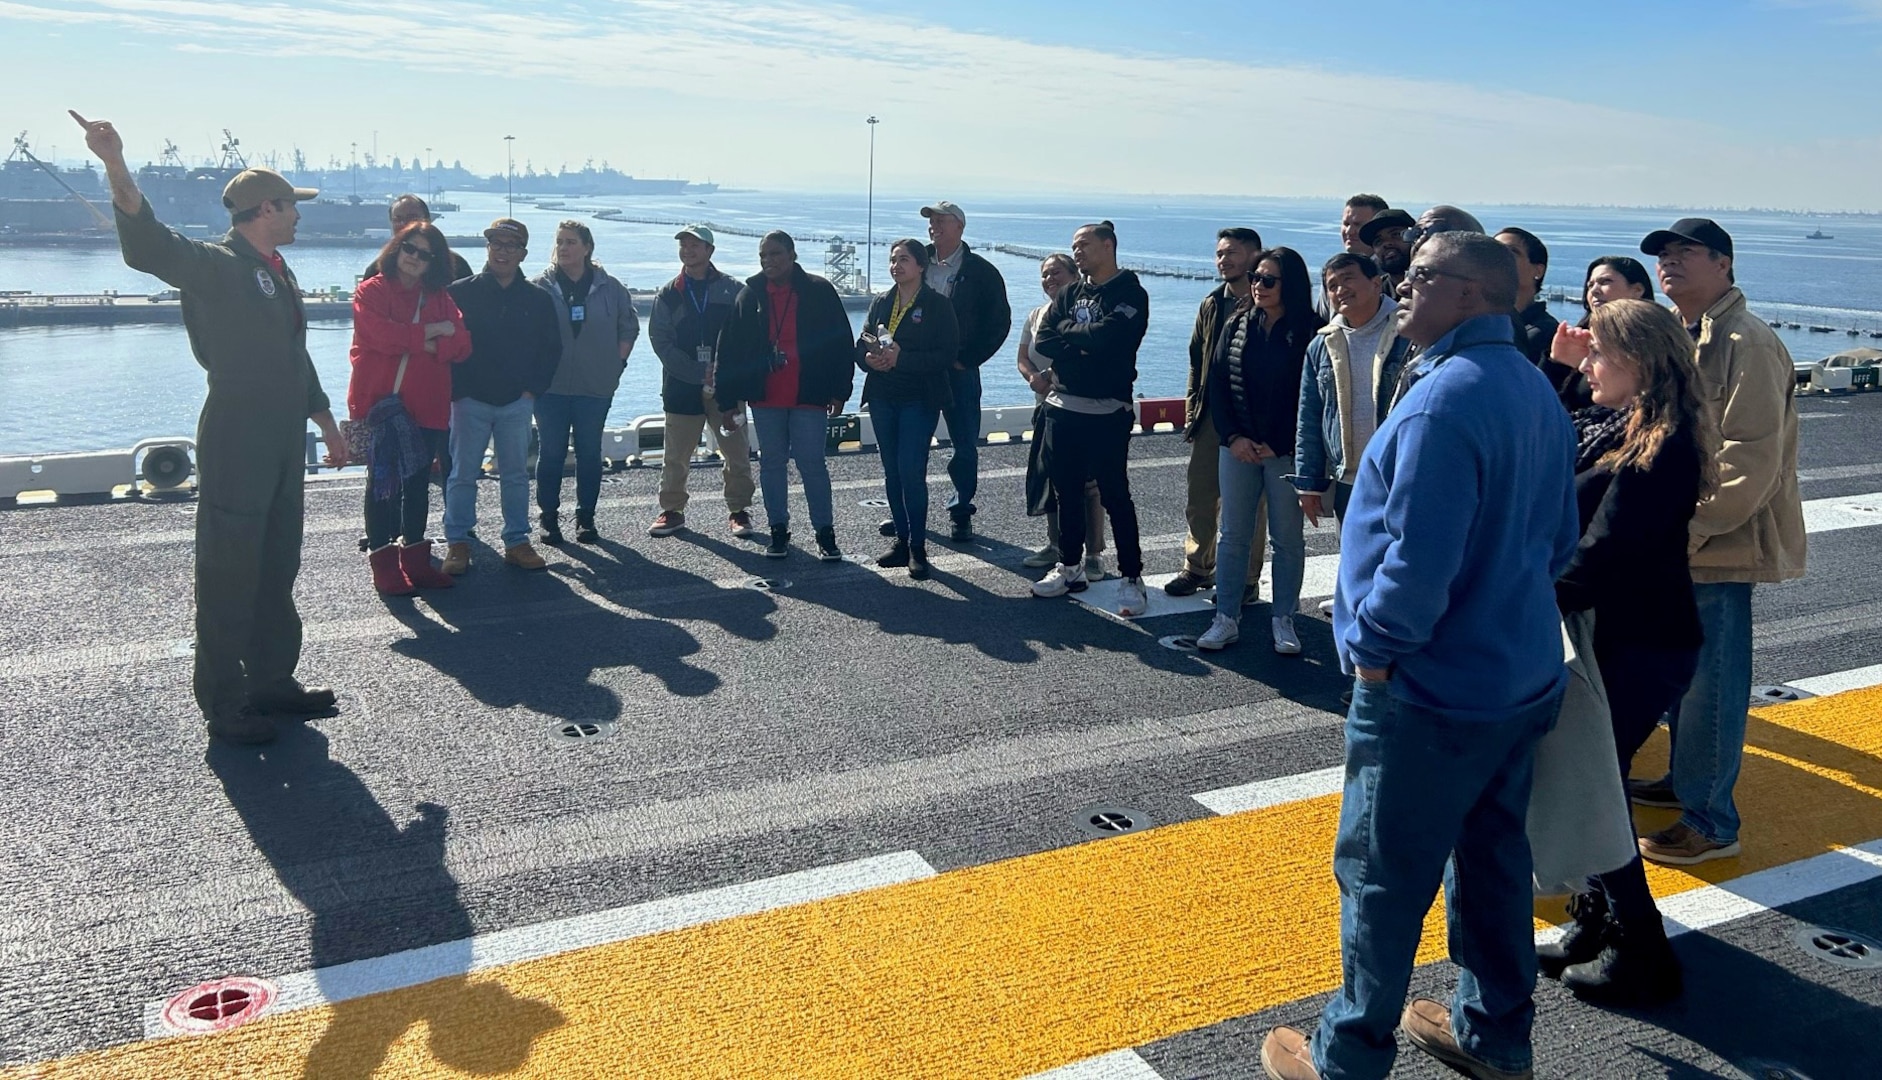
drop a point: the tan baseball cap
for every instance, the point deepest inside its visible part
(947, 208)
(252, 187)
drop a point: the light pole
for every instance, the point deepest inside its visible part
(509, 153)
(869, 240)
(430, 192)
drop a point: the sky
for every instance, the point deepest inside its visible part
(1701, 103)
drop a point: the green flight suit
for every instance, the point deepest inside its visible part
(249, 332)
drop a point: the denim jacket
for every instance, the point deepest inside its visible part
(1322, 450)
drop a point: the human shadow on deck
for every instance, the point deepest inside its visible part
(372, 885)
(545, 657)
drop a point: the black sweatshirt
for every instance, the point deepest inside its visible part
(1631, 565)
(1254, 381)
(516, 340)
(1091, 334)
(980, 307)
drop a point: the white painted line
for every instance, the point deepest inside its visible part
(345, 982)
(1838, 681)
(1755, 894)
(1843, 512)
(1103, 596)
(1840, 472)
(1121, 1065)
(1283, 789)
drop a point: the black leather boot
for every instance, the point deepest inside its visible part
(1583, 938)
(918, 562)
(780, 542)
(1636, 967)
(551, 526)
(585, 527)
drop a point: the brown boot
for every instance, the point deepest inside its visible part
(415, 560)
(386, 575)
(1427, 1024)
(1285, 1055)
(523, 557)
(457, 559)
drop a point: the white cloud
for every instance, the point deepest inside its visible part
(774, 95)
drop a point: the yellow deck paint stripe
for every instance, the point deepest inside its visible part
(994, 971)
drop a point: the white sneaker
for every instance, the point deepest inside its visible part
(1222, 633)
(1061, 580)
(1286, 642)
(1045, 556)
(1132, 600)
(1326, 606)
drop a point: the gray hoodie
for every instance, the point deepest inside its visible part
(591, 363)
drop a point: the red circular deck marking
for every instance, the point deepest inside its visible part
(218, 1006)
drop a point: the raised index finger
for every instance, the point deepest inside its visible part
(82, 122)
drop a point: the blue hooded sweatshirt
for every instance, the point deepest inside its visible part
(1462, 516)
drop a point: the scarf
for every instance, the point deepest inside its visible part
(1598, 430)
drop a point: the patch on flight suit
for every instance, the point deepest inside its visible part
(266, 281)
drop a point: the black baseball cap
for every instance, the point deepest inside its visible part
(1383, 220)
(1696, 229)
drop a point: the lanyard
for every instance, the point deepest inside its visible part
(701, 301)
(897, 309)
(781, 316)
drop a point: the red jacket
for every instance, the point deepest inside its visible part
(383, 331)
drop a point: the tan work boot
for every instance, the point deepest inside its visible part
(523, 557)
(1427, 1024)
(457, 558)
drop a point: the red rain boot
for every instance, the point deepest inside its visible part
(386, 575)
(415, 560)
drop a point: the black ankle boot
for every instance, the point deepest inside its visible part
(826, 545)
(897, 555)
(1583, 938)
(780, 542)
(551, 526)
(1635, 967)
(918, 562)
(585, 527)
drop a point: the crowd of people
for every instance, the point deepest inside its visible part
(1497, 477)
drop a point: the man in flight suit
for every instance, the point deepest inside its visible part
(242, 308)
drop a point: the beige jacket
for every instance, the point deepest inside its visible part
(1752, 528)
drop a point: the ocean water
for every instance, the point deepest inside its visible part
(84, 388)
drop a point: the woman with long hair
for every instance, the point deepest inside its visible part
(1610, 277)
(599, 329)
(1254, 398)
(407, 332)
(1646, 458)
(906, 349)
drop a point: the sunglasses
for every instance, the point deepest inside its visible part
(1266, 281)
(416, 252)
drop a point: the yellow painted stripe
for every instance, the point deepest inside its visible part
(995, 971)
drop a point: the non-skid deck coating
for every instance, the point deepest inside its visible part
(1005, 969)
(834, 834)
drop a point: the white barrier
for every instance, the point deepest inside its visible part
(98, 472)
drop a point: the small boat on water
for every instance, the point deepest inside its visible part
(1823, 329)
(1819, 235)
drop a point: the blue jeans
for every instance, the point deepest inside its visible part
(904, 431)
(557, 415)
(1708, 724)
(1242, 486)
(474, 425)
(786, 435)
(964, 432)
(1430, 797)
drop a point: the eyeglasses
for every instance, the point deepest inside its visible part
(416, 252)
(507, 245)
(1425, 275)
(1266, 281)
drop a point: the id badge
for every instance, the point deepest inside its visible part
(778, 359)
(578, 313)
(704, 353)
